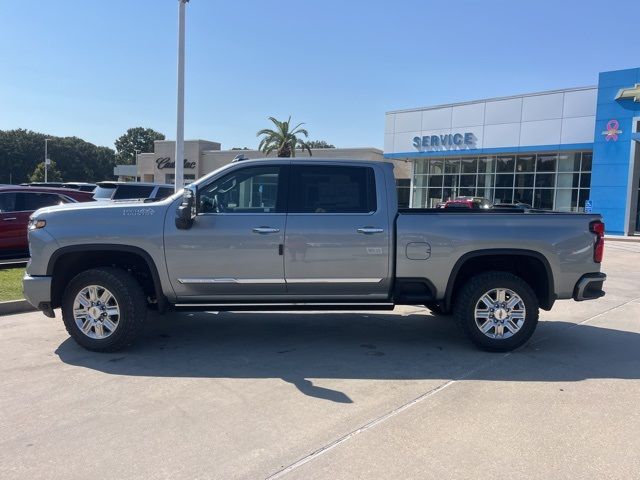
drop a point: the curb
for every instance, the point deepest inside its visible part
(620, 238)
(15, 306)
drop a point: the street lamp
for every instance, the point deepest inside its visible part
(179, 169)
(46, 159)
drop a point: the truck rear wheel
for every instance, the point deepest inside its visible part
(104, 309)
(498, 311)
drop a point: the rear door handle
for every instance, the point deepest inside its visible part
(370, 230)
(265, 230)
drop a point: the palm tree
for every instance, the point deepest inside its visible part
(283, 139)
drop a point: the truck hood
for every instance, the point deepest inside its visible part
(133, 208)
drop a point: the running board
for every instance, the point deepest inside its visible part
(299, 306)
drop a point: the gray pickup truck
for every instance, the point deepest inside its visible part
(306, 234)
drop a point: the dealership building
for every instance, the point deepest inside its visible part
(568, 150)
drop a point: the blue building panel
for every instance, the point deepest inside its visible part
(612, 149)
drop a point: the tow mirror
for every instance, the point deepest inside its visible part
(187, 211)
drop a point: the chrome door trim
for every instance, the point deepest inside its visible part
(334, 280)
(206, 281)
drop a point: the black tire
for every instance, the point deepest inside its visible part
(130, 299)
(469, 296)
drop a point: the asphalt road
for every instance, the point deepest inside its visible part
(330, 396)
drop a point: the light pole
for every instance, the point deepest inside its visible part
(137, 152)
(46, 159)
(179, 172)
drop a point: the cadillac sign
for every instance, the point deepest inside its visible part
(166, 162)
(449, 141)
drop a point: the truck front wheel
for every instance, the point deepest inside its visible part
(498, 311)
(104, 309)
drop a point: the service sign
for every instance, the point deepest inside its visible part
(447, 141)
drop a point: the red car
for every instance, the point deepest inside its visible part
(17, 203)
(468, 202)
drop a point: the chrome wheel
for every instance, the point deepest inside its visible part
(96, 312)
(500, 313)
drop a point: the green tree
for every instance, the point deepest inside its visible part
(283, 139)
(319, 144)
(138, 138)
(53, 174)
(21, 151)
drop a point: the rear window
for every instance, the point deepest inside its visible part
(332, 189)
(132, 191)
(164, 192)
(103, 192)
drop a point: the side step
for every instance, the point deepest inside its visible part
(299, 306)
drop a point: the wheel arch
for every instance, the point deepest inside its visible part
(533, 267)
(66, 262)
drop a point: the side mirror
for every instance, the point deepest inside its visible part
(186, 213)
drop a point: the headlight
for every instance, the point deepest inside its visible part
(36, 224)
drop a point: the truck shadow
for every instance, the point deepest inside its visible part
(298, 347)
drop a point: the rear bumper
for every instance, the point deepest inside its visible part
(37, 291)
(589, 287)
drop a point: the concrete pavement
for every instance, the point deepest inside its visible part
(330, 396)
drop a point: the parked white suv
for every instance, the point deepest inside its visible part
(131, 191)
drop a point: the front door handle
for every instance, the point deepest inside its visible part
(370, 230)
(265, 230)
(12, 218)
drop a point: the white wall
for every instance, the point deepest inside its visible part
(549, 118)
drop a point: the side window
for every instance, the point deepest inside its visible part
(332, 189)
(7, 202)
(34, 201)
(164, 192)
(248, 190)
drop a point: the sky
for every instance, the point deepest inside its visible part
(94, 68)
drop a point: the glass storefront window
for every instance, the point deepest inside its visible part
(505, 164)
(524, 180)
(548, 180)
(543, 199)
(468, 181)
(546, 163)
(569, 162)
(525, 163)
(420, 181)
(545, 180)
(419, 197)
(523, 195)
(504, 180)
(435, 180)
(486, 164)
(563, 200)
(421, 167)
(452, 165)
(469, 165)
(436, 167)
(503, 195)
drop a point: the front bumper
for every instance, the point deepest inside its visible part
(37, 291)
(589, 287)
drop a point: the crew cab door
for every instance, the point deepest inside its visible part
(234, 246)
(338, 235)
